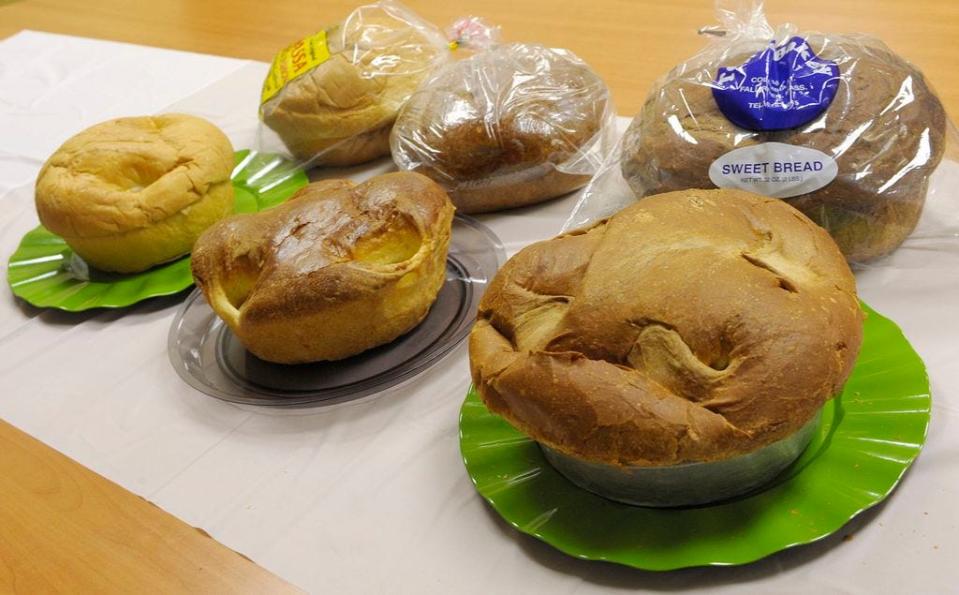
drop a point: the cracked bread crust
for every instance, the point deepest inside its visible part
(337, 269)
(131, 193)
(691, 326)
(130, 173)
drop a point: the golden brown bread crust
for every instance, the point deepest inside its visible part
(129, 173)
(691, 326)
(498, 129)
(337, 269)
(340, 113)
(131, 193)
(885, 128)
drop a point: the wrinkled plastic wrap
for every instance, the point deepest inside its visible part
(839, 126)
(331, 99)
(509, 126)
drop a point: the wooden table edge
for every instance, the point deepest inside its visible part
(64, 527)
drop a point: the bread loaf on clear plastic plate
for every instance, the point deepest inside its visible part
(336, 270)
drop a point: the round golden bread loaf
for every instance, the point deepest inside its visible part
(507, 127)
(131, 193)
(334, 271)
(340, 113)
(692, 326)
(885, 129)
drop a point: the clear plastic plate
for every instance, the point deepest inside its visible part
(207, 355)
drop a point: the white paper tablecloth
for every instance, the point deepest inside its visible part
(370, 497)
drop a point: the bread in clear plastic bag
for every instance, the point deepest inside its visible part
(854, 150)
(510, 126)
(332, 98)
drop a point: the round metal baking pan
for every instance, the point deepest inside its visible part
(689, 484)
(207, 355)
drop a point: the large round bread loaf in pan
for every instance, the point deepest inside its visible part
(885, 129)
(691, 326)
(336, 270)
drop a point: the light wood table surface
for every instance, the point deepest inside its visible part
(630, 42)
(62, 527)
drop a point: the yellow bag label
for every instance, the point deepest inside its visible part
(293, 61)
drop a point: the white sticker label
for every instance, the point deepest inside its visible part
(774, 169)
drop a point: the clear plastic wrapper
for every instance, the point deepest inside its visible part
(470, 34)
(509, 126)
(331, 98)
(838, 125)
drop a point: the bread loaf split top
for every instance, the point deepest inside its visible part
(337, 269)
(129, 173)
(691, 326)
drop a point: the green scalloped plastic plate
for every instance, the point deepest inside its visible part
(46, 273)
(869, 436)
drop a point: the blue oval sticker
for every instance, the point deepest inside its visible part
(778, 88)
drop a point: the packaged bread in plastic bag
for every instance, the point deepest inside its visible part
(508, 126)
(331, 99)
(837, 125)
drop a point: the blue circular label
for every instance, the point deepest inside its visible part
(778, 88)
